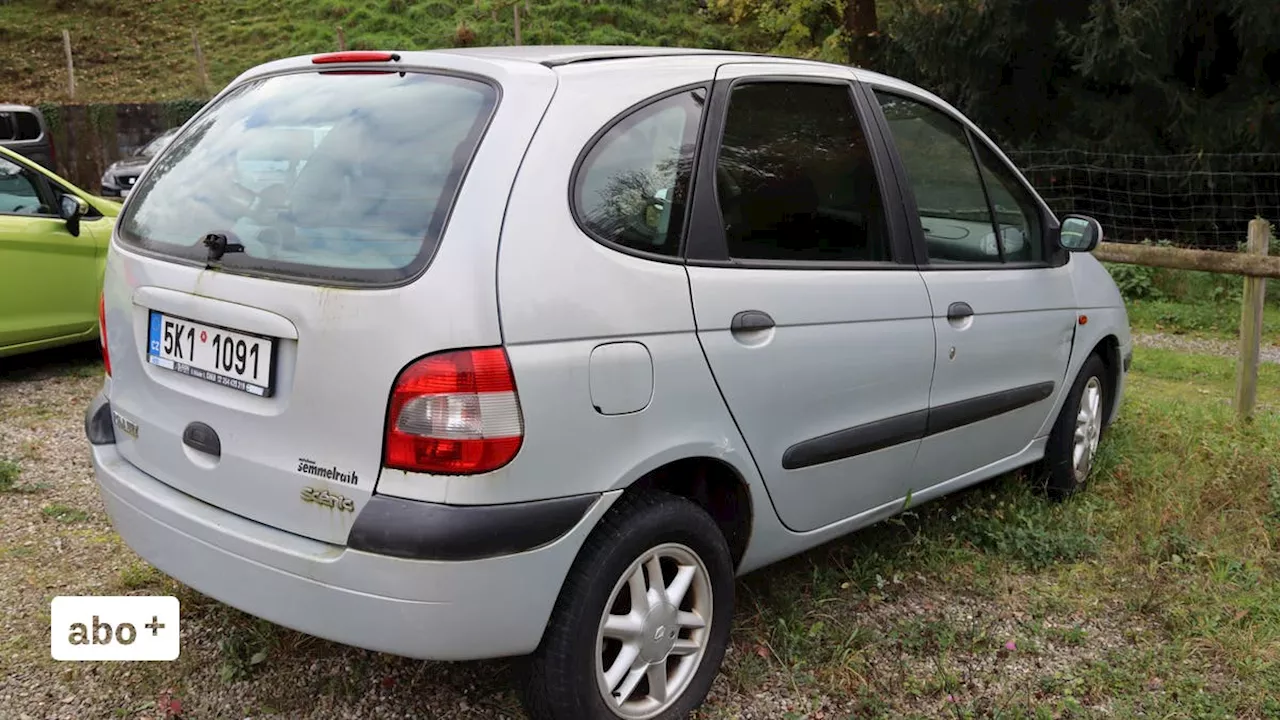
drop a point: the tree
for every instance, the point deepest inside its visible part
(1130, 75)
(862, 31)
(1134, 75)
(845, 31)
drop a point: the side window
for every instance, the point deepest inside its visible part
(795, 177)
(955, 193)
(19, 194)
(1016, 211)
(28, 126)
(633, 184)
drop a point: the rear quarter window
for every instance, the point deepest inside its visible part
(632, 186)
(321, 177)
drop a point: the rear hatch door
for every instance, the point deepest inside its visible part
(306, 236)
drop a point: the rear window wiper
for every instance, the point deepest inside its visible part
(219, 245)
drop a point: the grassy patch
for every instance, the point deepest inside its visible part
(10, 471)
(34, 414)
(1207, 317)
(1155, 593)
(1203, 377)
(113, 64)
(139, 575)
(87, 369)
(64, 514)
(245, 647)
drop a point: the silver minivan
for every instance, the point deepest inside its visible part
(24, 130)
(530, 351)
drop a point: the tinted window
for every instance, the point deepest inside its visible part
(934, 148)
(8, 128)
(634, 183)
(330, 177)
(160, 142)
(28, 126)
(18, 191)
(1015, 208)
(795, 178)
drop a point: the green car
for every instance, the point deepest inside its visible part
(53, 246)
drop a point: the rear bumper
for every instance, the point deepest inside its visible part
(428, 609)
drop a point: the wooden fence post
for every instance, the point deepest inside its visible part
(71, 68)
(1255, 293)
(201, 68)
(515, 9)
(342, 38)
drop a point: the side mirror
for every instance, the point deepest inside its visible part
(1079, 233)
(71, 209)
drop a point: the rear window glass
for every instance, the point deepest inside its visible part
(19, 126)
(28, 126)
(319, 176)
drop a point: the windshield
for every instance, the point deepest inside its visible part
(154, 147)
(321, 176)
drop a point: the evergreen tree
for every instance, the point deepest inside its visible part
(1123, 75)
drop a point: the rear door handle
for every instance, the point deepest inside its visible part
(750, 320)
(959, 311)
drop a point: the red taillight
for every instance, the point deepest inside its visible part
(350, 56)
(102, 333)
(456, 413)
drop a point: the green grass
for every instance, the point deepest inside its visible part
(64, 514)
(1204, 376)
(143, 51)
(139, 575)
(1184, 302)
(1155, 593)
(10, 471)
(1210, 319)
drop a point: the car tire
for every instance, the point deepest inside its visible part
(1072, 448)
(596, 626)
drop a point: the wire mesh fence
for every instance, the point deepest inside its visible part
(1200, 200)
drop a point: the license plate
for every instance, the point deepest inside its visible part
(125, 193)
(230, 358)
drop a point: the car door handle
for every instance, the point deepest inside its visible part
(750, 321)
(959, 311)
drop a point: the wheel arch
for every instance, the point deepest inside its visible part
(1107, 349)
(715, 486)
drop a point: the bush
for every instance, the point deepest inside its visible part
(1136, 282)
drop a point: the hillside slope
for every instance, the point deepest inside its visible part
(141, 50)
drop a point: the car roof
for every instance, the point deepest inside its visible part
(553, 56)
(520, 60)
(4, 107)
(556, 55)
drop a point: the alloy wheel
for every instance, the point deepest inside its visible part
(653, 632)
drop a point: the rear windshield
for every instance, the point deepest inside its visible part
(161, 141)
(19, 126)
(322, 177)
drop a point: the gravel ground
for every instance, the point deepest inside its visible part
(233, 666)
(1202, 345)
